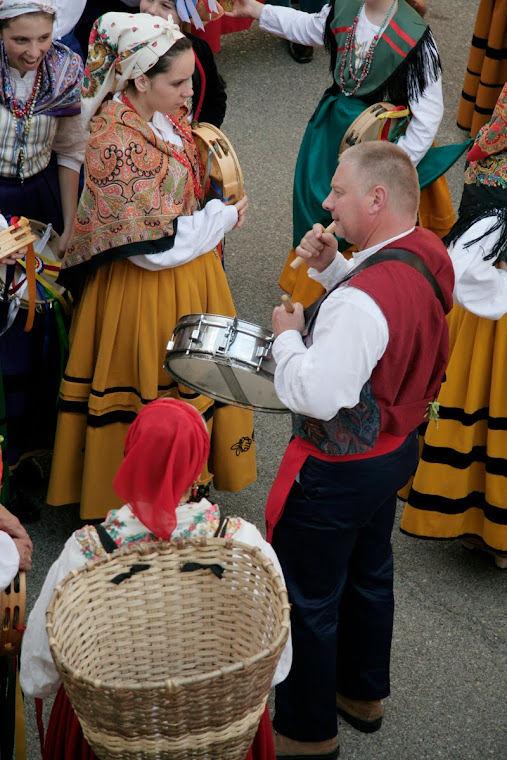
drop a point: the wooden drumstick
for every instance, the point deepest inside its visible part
(299, 259)
(289, 306)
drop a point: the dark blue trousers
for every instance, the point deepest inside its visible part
(334, 545)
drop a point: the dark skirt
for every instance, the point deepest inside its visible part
(65, 740)
(31, 362)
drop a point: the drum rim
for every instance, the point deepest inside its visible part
(266, 333)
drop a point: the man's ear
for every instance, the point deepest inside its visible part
(378, 198)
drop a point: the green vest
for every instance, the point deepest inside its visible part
(398, 39)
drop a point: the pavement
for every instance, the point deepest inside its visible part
(449, 646)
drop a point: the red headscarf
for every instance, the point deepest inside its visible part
(166, 448)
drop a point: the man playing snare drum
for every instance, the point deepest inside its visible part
(358, 379)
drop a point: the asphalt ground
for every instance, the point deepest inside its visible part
(449, 646)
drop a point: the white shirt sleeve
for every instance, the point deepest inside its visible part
(248, 534)
(38, 674)
(195, 234)
(423, 126)
(295, 26)
(350, 337)
(9, 559)
(479, 286)
(70, 141)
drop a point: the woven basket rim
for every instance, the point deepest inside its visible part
(145, 550)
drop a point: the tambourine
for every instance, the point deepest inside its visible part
(222, 171)
(381, 121)
(12, 616)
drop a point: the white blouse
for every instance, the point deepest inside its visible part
(9, 559)
(38, 675)
(308, 29)
(479, 286)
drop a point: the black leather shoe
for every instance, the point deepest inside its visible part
(300, 53)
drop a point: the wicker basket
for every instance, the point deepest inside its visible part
(169, 664)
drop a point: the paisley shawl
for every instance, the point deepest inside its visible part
(134, 191)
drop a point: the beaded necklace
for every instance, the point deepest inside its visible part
(23, 118)
(348, 57)
(182, 158)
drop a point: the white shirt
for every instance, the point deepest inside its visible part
(9, 559)
(308, 29)
(479, 286)
(350, 337)
(195, 234)
(38, 674)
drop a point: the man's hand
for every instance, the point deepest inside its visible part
(241, 207)
(284, 320)
(246, 9)
(318, 248)
(25, 553)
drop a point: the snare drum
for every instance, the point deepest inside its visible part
(221, 166)
(381, 121)
(47, 268)
(226, 359)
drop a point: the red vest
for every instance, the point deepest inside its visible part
(408, 376)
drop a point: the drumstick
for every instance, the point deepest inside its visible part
(288, 305)
(299, 259)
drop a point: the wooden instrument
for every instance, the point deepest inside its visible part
(381, 121)
(12, 615)
(299, 259)
(223, 177)
(15, 237)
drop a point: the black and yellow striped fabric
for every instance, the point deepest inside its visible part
(487, 66)
(460, 487)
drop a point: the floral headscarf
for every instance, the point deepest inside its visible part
(166, 448)
(123, 46)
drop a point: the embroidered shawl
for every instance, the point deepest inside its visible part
(134, 190)
(60, 90)
(405, 59)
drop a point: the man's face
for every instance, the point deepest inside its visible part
(348, 205)
(164, 8)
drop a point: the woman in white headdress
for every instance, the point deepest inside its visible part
(41, 151)
(142, 255)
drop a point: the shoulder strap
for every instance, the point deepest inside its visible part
(107, 542)
(389, 254)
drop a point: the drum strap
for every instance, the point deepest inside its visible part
(389, 254)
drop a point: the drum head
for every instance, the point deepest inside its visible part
(225, 381)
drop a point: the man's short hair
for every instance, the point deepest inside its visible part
(383, 163)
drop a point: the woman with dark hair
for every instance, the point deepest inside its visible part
(41, 151)
(142, 255)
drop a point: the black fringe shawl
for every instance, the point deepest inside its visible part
(421, 67)
(472, 214)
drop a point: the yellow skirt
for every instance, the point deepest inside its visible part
(487, 66)
(120, 329)
(460, 487)
(435, 213)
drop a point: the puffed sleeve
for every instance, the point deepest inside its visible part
(9, 560)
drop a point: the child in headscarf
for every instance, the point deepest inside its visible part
(165, 451)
